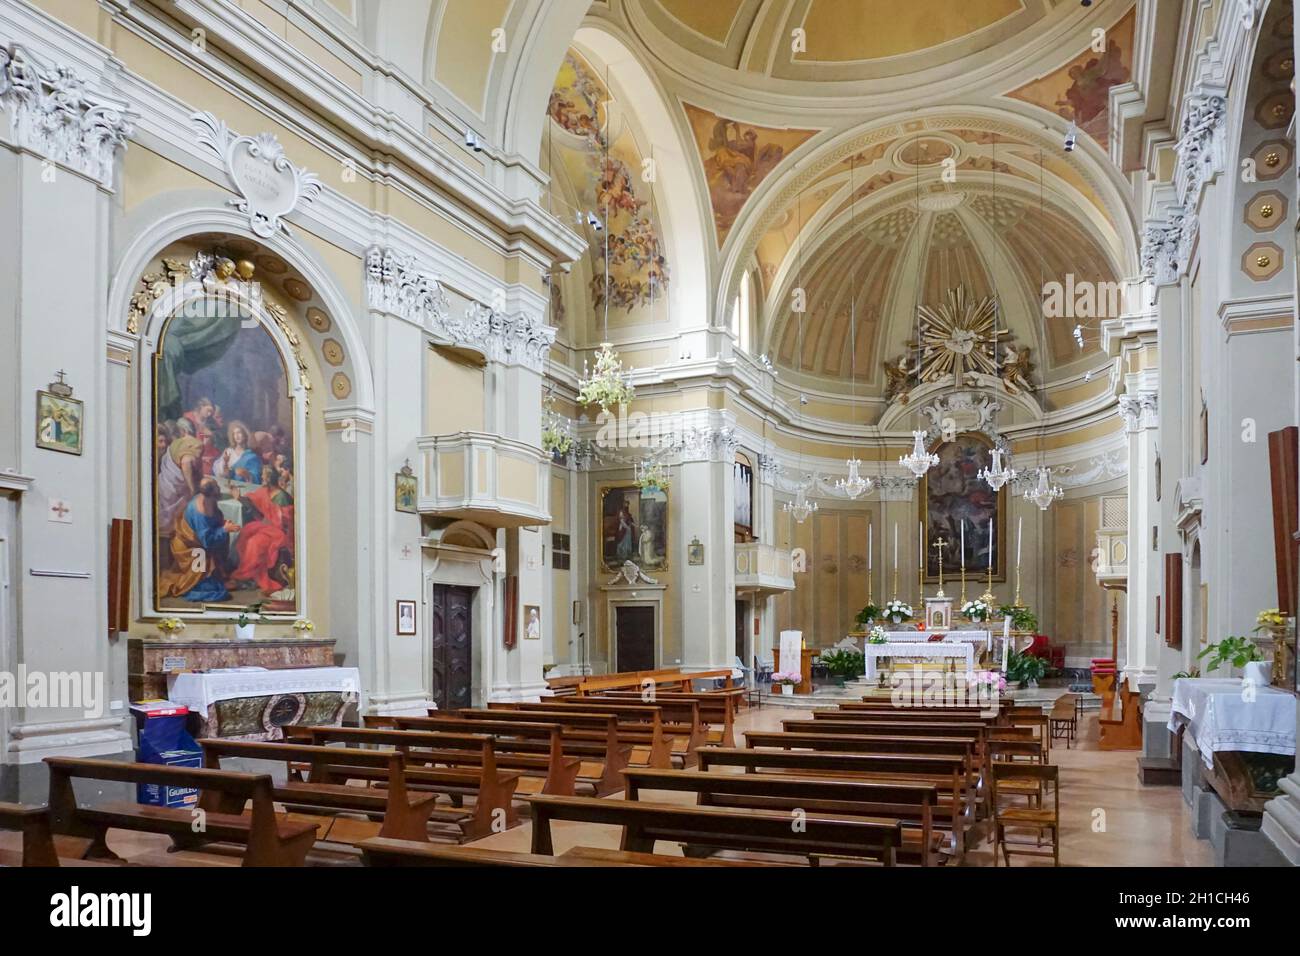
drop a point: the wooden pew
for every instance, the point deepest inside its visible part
(585, 734)
(535, 749)
(859, 743)
(768, 831)
(406, 815)
(915, 805)
(1123, 732)
(661, 724)
(462, 765)
(267, 841)
(34, 824)
(382, 852)
(640, 679)
(717, 708)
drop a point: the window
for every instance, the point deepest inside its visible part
(560, 552)
(740, 312)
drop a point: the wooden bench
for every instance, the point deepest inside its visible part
(384, 852)
(914, 805)
(406, 815)
(640, 679)
(1125, 731)
(535, 750)
(34, 825)
(717, 708)
(643, 725)
(585, 735)
(267, 841)
(768, 831)
(459, 765)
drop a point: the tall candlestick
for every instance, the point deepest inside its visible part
(895, 545)
(990, 545)
(1020, 537)
(963, 544)
(870, 539)
(987, 596)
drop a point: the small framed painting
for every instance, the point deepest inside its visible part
(695, 553)
(58, 422)
(405, 490)
(532, 622)
(405, 618)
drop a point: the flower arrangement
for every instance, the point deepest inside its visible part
(609, 385)
(787, 677)
(989, 679)
(898, 611)
(171, 626)
(1269, 620)
(877, 635)
(976, 611)
(303, 627)
(253, 610)
(1022, 619)
(868, 615)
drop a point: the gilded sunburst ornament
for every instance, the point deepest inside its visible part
(958, 337)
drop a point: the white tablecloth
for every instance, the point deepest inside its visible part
(939, 649)
(967, 637)
(200, 691)
(1220, 717)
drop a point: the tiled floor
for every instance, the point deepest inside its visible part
(1109, 819)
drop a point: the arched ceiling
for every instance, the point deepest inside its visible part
(843, 40)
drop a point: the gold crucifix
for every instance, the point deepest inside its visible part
(939, 545)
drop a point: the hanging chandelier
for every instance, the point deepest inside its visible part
(1043, 493)
(608, 384)
(801, 507)
(919, 461)
(651, 475)
(855, 486)
(998, 473)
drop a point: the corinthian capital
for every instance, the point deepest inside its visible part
(1139, 411)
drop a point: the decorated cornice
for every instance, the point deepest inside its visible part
(397, 285)
(709, 443)
(1164, 242)
(55, 114)
(769, 469)
(1139, 412)
(964, 412)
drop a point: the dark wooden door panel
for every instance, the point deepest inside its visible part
(635, 638)
(451, 645)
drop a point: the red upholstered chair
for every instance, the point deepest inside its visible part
(1040, 647)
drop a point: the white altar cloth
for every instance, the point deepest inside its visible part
(199, 691)
(969, 637)
(1220, 718)
(938, 649)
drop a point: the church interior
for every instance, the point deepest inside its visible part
(649, 433)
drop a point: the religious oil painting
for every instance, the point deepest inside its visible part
(58, 423)
(405, 491)
(634, 527)
(952, 492)
(225, 472)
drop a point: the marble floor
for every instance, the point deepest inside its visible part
(1109, 819)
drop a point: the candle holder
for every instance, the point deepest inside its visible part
(1016, 602)
(920, 585)
(895, 591)
(963, 585)
(987, 596)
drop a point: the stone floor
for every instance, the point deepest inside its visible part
(1109, 819)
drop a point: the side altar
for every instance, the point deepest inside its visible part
(244, 688)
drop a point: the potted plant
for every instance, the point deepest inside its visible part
(868, 615)
(1022, 619)
(1234, 651)
(1025, 669)
(786, 680)
(898, 612)
(171, 626)
(877, 635)
(244, 627)
(976, 611)
(987, 682)
(843, 663)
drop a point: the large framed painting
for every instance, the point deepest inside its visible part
(951, 492)
(225, 468)
(634, 527)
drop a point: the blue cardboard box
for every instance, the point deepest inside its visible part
(163, 739)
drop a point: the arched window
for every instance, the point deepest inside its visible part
(741, 318)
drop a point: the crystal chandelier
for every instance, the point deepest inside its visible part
(801, 507)
(651, 475)
(855, 486)
(608, 384)
(919, 461)
(997, 473)
(1043, 493)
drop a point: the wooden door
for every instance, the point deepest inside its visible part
(741, 608)
(634, 638)
(452, 640)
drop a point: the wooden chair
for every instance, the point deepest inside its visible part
(1039, 819)
(1063, 721)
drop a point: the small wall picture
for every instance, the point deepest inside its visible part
(58, 422)
(532, 622)
(405, 618)
(405, 490)
(695, 553)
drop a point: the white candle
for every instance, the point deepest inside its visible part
(963, 544)
(1020, 537)
(920, 544)
(870, 538)
(990, 544)
(1006, 643)
(895, 545)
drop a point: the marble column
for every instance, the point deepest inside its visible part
(1140, 410)
(706, 509)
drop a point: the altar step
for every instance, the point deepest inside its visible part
(1159, 772)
